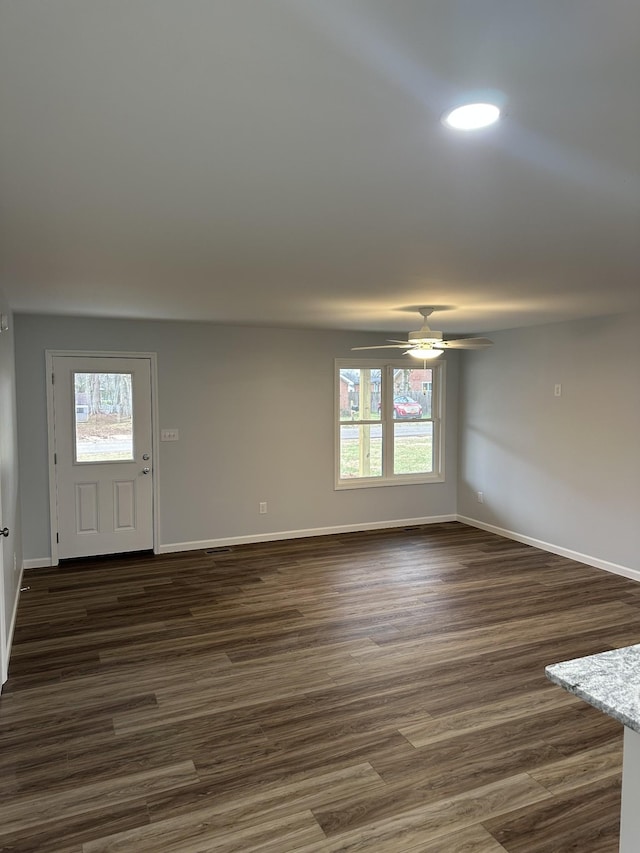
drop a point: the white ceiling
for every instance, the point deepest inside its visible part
(282, 162)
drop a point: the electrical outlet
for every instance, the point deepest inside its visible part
(263, 507)
(480, 497)
(557, 390)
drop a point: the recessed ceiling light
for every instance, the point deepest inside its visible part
(472, 116)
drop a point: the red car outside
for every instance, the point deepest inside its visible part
(405, 407)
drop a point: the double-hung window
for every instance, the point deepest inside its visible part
(389, 427)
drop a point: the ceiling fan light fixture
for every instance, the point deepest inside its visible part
(472, 116)
(425, 352)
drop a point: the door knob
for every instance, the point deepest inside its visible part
(145, 456)
(146, 470)
(4, 531)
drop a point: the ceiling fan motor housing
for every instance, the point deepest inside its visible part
(425, 337)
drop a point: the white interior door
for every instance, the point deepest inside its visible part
(4, 663)
(102, 417)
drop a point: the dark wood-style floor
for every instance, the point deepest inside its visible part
(379, 692)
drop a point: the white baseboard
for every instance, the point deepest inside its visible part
(301, 534)
(173, 547)
(614, 568)
(39, 563)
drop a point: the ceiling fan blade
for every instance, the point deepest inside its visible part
(465, 343)
(426, 340)
(383, 346)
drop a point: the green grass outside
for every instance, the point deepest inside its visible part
(413, 455)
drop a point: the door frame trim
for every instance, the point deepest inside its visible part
(152, 357)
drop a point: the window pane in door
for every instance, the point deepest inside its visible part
(103, 417)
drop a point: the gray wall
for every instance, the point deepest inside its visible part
(563, 470)
(255, 412)
(11, 546)
(254, 408)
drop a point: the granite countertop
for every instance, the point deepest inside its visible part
(610, 681)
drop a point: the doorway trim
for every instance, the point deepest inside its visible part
(155, 436)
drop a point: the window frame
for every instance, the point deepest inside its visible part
(387, 421)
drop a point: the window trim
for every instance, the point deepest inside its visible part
(386, 366)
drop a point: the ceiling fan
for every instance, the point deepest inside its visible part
(426, 343)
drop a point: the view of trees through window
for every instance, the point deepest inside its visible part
(103, 417)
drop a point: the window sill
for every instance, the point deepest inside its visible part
(379, 482)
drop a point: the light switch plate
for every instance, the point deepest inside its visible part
(169, 435)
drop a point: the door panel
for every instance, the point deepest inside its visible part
(124, 502)
(103, 444)
(86, 508)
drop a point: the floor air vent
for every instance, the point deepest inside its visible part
(222, 550)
